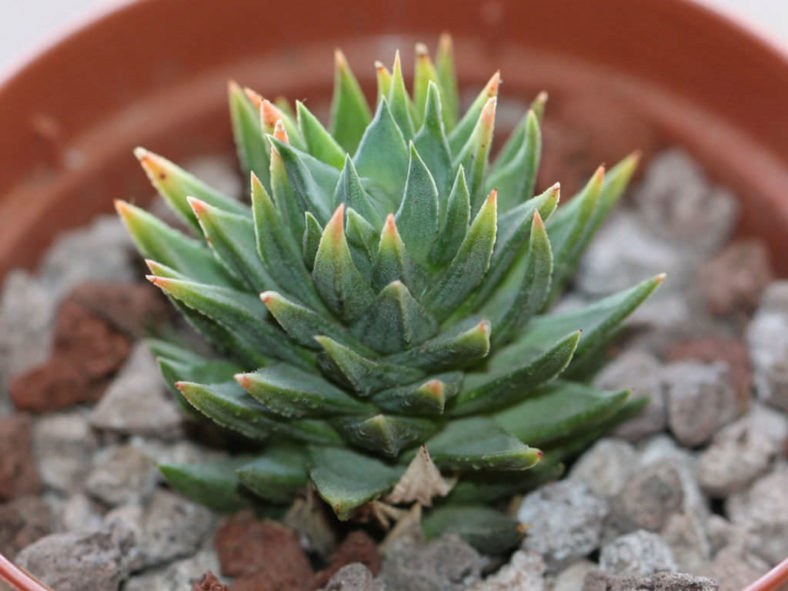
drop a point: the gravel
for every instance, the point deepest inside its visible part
(81, 561)
(767, 338)
(634, 503)
(636, 554)
(565, 522)
(701, 399)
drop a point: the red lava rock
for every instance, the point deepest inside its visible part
(209, 582)
(128, 307)
(732, 351)
(356, 547)
(87, 352)
(262, 555)
(18, 474)
(22, 522)
(732, 281)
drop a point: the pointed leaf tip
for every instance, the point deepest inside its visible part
(340, 61)
(198, 206)
(271, 114)
(660, 278)
(492, 85)
(255, 97)
(421, 50)
(141, 153)
(280, 132)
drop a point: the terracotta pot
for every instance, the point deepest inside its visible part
(621, 75)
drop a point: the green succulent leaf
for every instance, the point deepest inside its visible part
(558, 410)
(346, 479)
(432, 144)
(469, 265)
(462, 132)
(385, 434)
(487, 530)
(399, 100)
(447, 80)
(515, 177)
(293, 393)
(512, 375)
(459, 346)
(454, 223)
(232, 238)
(336, 278)
(175, 184)
(213, 484)
(417, 218)
(349, 110)
(157, 241)
(253, 150)
(395, 321)
(278, 250)
(422, 398)
(478, 443)
(382, 157)
(277, 475)
(319, 142)
(363, 374)
(351, 192)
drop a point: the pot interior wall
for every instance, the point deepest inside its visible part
(621, 76)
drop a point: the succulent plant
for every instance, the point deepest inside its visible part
(386, 288)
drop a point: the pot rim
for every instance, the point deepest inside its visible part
(96, 17)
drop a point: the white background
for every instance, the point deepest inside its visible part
(27, 25)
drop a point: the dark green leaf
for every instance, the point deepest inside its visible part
(487, 530)
(318, 141)
(349, 110)
(447, 78)
(253, 149)
(421, 398)
(346, 479)
(417, 218)
(210, 483)
(336, 277)
(277, 475)
(479, 444)
(385, 434)
(454, 222)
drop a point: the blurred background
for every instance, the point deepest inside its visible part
(31, 23)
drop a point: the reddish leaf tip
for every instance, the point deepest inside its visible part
(660, 278)
(280, 132)
(267, 296)
(340, 61)
(270, 113)
(242, 379)
(141, 153)
(422, 51)
(198, 207)
(255, 98)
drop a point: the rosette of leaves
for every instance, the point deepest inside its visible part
(386, 286)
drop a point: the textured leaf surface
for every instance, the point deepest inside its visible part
(213, 484)
(346, 479)
(558, 411)
(489, 531)
(479, 444)
(276, 475)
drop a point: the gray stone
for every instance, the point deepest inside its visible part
(572, 577)
(122, 475)
(177, 575)
(136, 402)
(662, 581)
(353, 577)
(640, 371)
(607, 268)
(767, 339)
(63, 446)
(685, 534)
(101, 251)
(524, 572)
(700, 398)
(762, 511)
(648, 499)
(565, 522)
(677, 203)
(167, 528)
(78, 512)
(662, 448)
(637, 554)
(742, 451)
(85, 561)
(182, 451)
(606, 467)
(27, 312)
(446, 564)
(734, 568)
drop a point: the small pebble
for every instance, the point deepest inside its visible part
(636, 554)
(767, 338)
(606, 467)
(565, 522)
